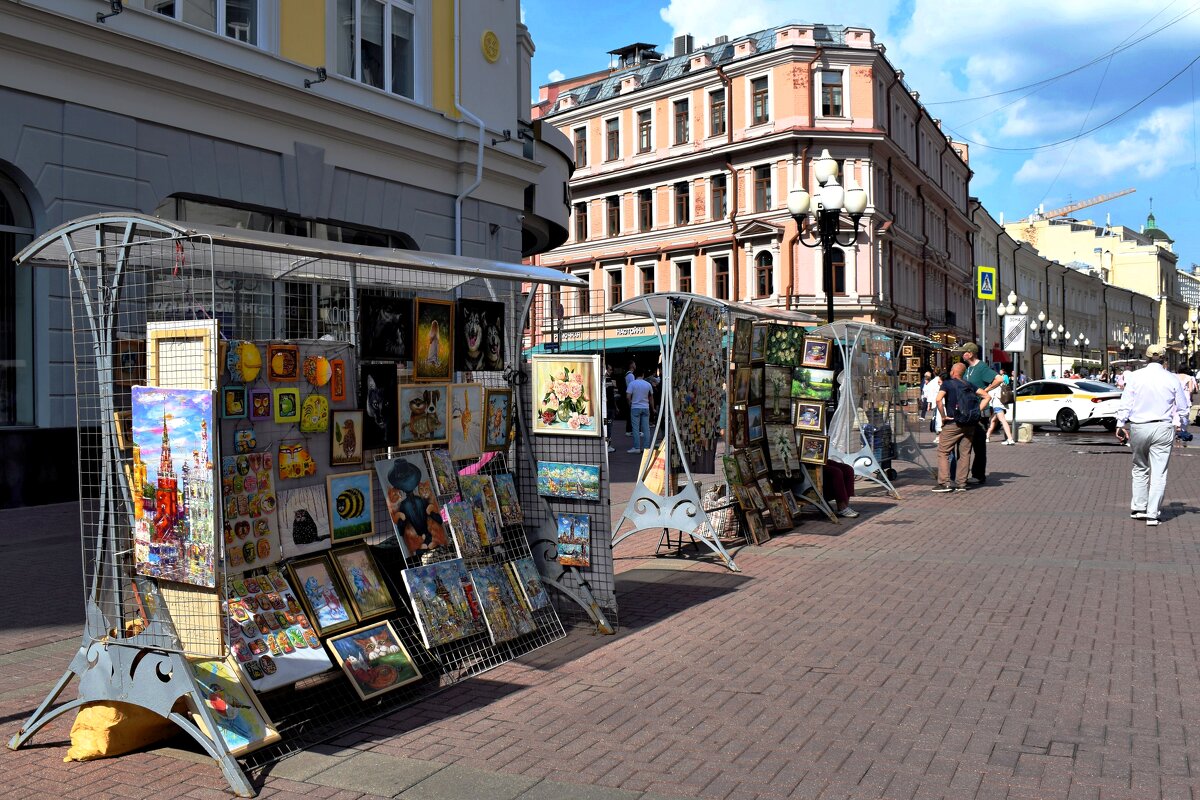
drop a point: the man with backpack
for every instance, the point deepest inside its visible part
(983, 377)
(961, 406)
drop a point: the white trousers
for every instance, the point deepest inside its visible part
(1151, 445)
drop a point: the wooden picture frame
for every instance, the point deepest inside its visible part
(816, 352)
(560, 409)
(758, 342)
(906, 350)
(814, 448)
(375, 673)
(755, 428)
(757, 460)
(223, 677)
(809, 416)
(283, 363)
(336, 613)
(737, 428)
(742, 331)
(741, 386)
(369, 594)
(182, 354)
(345, 438)
(433, 340)
(351, 497)
(424, 412)
(498, 419)
(129, 362)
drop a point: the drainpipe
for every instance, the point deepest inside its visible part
(812, 87)
(888, 95)
(791, 241)
(1104, 299)
(458, 200)
(924, 251)
(734, 197)
(892, 211)
(971, 244)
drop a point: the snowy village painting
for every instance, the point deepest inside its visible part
(172, 489)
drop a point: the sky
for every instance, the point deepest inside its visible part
(994, 73)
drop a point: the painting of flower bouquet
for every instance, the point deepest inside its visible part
(566, 395)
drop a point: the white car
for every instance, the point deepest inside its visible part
(1068, 403)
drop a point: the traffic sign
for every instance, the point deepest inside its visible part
(1015, 331)
(985, 283)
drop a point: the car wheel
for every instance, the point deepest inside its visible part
(1110, 425)
(1067, 421)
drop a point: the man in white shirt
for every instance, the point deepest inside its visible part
(1153, 406)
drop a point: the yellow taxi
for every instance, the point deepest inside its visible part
(1068, 403)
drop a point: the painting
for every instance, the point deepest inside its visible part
(781, 445)
(733, 472)
(295, 462)
(345, 438)
(337, 380)
(243, 360)
(784, 344)
(765, 489)
(316, 370)
(653, 469)
(444, 602)
(283, 363)
(423, 414)
(697, 396)
(412, 503)
(814, 449)
(754, 424)
(250, 524)
(573, 533)
(351, 499)
(741, 340)
(781, 518)
(758, 462)
(287, 406)
(758, 342)
(304, 525)
(503, 612)
(433, 356)
(906, 350)
(816, 352)
(531, 582)
(377, 398)
(748, 464)
(498, 419)
(464, 527)
(566, 395)
(777, 405)
(755, 495)
(374, 659)
(364, 583)
(466, 421)
(233, 402)
(314, 414)
(809, 416)
(442, 468)
(129, 362)
(507, 498)
(757, 385)
(173, 497)
(737, 428)
(241, 721)
(479, 335)
(812, 384)
(478, 491)
(324, 599)
(757, 529)
(741, 386)
(793, 506)
(261, 404)
(385, 326)
(570, 481)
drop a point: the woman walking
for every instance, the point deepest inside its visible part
(999, 409)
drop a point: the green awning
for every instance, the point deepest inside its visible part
(616, 345)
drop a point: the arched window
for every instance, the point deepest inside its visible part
(16, 309)
(837, 258)
(764, 275)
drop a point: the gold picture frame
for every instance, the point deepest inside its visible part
(182, 354)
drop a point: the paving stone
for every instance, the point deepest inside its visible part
(304, 765)
(556, 790)
(371, 773)
(461, 783)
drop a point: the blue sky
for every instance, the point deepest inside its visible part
(954, 52)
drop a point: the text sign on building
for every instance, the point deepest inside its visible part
(1015, 333)
(985, 283)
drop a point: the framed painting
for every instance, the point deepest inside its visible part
(412, 503)
(466, 421)
(182, 354)
(261, 404)
(758, 529)
(443, 599)
(129, 362)
(433, 350)
(754, 424)
(479, 335)
(569, 481)
(758, 342)
(283, 363)
(351, 499)
(304, 521)
(758, 462)
(816, 352)
(733, 472)
(755, 494)
(747, 466)
(374, 659)
(364, 583)
(814, 449)
(741, 386)
(777, 405)
(345, 438)
(790, 501)
(757, 385)
(385, 326)
(498, 419)
(240, 719)
(337, 380)
(503, 612)
(812, 384)
(737, 428)
(478, 491)
(573, 533)
(507, 498)
(809, 416)
(441, 467)
(531, 582)
(122, 420)
(741, 340)
(377, 398)
(321, 594)
(781, 445)
(424, 411)
(566, 395)
(784, 343)
(287, 406)
(781, 518)
(464, 527)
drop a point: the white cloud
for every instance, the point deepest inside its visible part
(556, 75)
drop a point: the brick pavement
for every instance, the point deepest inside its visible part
(1024, 640)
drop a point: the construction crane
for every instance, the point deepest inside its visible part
(1091, 201)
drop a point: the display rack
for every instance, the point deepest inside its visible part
(156, 304)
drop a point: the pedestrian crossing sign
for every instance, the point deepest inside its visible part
(985, 283)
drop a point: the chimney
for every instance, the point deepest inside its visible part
(721, 40)
(684, 45)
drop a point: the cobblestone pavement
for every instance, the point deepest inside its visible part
(1022, 640)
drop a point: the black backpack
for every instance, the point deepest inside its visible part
(966, 405)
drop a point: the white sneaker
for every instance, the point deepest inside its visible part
(1152, 521)
(633, 450)
(612, 449)
(1009, 441)
(848, 513)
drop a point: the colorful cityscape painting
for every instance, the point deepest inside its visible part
(531, 583)
(506, 617)
(574, 533)
(570, 481)
(172, 489)
(444, 602)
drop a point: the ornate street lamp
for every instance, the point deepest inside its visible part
(1043, 326)
(832, 199)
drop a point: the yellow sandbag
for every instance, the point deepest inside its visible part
(102, 730)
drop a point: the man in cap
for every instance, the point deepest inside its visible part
(981, 376)
(1152, 407)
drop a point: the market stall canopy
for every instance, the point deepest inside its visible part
(837, 330)
(655, 306)
(256, 253)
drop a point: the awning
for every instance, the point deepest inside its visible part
(614, 345)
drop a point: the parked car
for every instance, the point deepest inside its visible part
(1068, 403)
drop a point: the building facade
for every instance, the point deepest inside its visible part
(401, 123)
(683, 165)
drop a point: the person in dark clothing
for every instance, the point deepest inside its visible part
(982, 377)
(957, 437)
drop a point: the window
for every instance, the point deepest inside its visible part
(16, 310)
(682, 134)
(645, 209)
(716, 112)
(614, 287)
(764, 275)
(584, 297)
(612, 139)
(375, 43)
(683, 276)
(721, 277)
(837, 260)
(762, 188)
(581, 147)
(612, 211)
(645, 131)
(719, 185)
(683, 203)
(237, 19)
(831, 93)
(760, 99)
(647, 274)
(581, 228)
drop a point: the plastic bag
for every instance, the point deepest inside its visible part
(102, 730)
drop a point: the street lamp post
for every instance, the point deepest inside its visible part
(1190, 338)
(832, 199)
(1009, 309)
(1042, 326)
